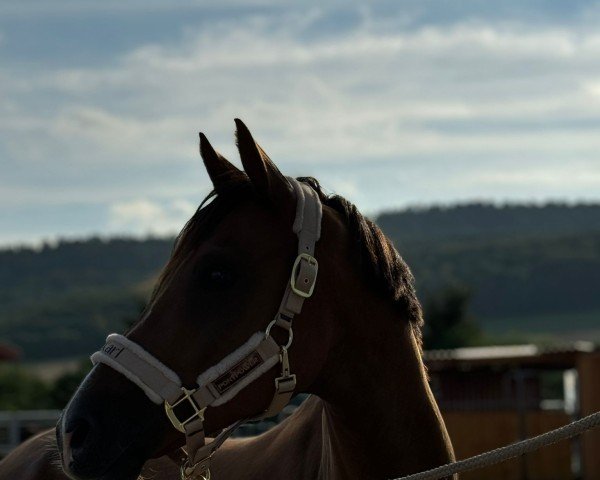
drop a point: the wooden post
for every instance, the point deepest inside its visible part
(588, 367)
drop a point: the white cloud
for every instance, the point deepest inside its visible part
(361, 93)
(553, 176)
(143, 216)
(70, 7)
(464, 102)
(122, 135)
(593, 89)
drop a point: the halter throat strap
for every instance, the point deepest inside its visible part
(220, 383)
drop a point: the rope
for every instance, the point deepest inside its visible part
(509, 451)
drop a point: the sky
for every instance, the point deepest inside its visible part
(392, 104)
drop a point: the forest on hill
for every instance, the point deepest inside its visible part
(530, 270)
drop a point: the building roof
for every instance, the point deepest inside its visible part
(8, 352)
(533, 356)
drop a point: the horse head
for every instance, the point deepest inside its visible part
(229, 269)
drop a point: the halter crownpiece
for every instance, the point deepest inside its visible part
(223, 381)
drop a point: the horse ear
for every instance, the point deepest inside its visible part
(219, 169)
(264, 175)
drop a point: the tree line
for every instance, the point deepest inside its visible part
(526, 268)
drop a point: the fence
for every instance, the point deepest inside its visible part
(17, 426)
(475, 432)
(493, 396)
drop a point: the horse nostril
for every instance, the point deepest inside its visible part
(79, 434)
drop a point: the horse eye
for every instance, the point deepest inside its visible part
(217, 278)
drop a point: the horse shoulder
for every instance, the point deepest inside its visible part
(290, 450)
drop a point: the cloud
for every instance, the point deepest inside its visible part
(475, 105)
(593, 89)
(361, 92)
(142, 216)
(66, 7)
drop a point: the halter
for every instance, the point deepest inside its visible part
(223, 381)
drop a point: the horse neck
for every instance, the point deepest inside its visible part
(380, 419)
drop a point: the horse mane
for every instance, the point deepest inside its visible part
(377, 256)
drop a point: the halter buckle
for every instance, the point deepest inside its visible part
(195, 472)
(304, 275)
(197, 412)
(286, 383)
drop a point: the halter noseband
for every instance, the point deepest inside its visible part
(223, 381)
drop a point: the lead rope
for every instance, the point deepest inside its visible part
(509, 451)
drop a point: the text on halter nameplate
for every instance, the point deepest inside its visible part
(113, 350)
(237, 372)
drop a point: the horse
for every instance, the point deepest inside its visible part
(356, 349)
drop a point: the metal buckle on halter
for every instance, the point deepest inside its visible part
(305, 286)
(170, 410)
(198, 471)
(286, 383)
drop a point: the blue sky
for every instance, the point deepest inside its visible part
(389, 103)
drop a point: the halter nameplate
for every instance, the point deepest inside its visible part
(238, 372)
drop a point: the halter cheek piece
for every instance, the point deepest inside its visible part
(223, 381)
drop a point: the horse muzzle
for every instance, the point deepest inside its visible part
(110, 434)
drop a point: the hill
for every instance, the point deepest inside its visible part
(62, 300)
(478, 220)
(531, 270)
